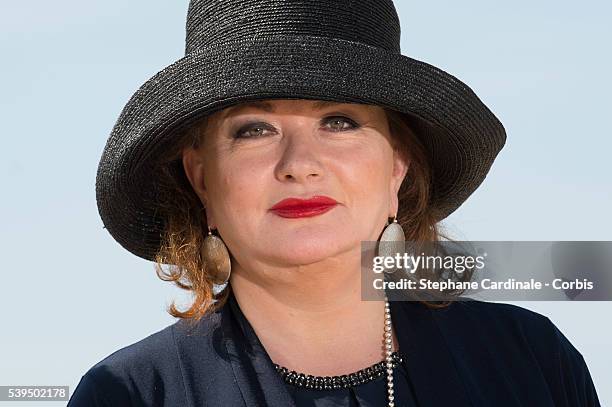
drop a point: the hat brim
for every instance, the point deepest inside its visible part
(461, 135)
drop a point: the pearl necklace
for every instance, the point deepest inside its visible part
(388, 353)
(392, 359)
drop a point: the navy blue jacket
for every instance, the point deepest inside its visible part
(472, 353)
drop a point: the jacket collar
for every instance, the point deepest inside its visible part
(241, 372)
(259, 382)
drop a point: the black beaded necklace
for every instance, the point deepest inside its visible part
(337, 382)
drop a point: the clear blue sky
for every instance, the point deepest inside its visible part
(70, 295)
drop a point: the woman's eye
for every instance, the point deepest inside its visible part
(251, 131)
(256, 130)
(339, 123)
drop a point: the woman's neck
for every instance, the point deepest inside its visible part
(313, 320)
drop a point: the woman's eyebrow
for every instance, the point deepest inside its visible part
(269, 107)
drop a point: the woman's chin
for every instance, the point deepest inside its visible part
(308, 250)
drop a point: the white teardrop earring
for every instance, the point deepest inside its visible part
(392, 240)
(216, 259)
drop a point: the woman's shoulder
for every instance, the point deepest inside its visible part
(494, 317)
(521, 337)
(505, 315)
(509, 321)
(147, 372)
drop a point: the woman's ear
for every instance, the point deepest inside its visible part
(193, 165)
(400, 169)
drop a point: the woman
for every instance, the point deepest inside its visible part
(289, 133)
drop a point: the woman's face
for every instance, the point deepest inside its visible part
(254, 155)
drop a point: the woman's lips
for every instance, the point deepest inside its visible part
(303, 212)
(299, 208)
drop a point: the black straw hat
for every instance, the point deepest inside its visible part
(341, 50)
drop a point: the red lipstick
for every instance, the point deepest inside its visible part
(300, 208)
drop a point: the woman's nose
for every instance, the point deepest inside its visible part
(300, 158)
